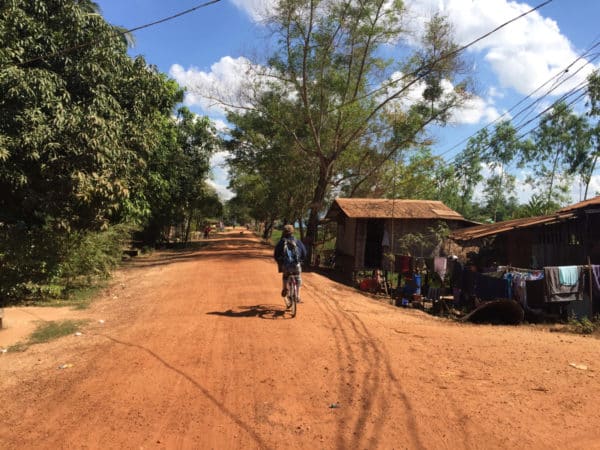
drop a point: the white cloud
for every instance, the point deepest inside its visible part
(476, 110)
(220, 175)
(524, 54)
(220, 125)
(256, 9)
(225, 82)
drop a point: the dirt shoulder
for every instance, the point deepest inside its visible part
(196, 351)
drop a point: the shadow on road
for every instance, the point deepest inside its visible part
(262, 311)
(247, 427)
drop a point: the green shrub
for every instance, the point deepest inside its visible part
(584, 325)
(45, 262)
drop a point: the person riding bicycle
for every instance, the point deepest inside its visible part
(289, 254)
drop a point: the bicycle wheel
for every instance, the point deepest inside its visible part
(292, 294)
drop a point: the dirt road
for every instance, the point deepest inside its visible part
(196, 352)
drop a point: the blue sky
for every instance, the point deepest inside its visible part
(210, 46)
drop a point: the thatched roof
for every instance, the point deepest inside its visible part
(380, 208)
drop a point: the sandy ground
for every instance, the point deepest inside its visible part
(19, 322)
(196, 351)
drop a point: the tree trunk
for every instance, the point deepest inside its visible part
(188, 227)
(268, 228)
(315, 208)
(301, 228)
(589, 178)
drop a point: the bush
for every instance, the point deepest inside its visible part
(584, 325)
(43, 262)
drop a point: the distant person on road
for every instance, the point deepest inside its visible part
(289, 254)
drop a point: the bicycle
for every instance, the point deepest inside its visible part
(292, 294)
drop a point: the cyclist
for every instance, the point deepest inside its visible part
(288, 270)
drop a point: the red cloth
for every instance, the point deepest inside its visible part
(403, 264)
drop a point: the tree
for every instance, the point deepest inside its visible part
(176, 175)
(584, 160)
(79, 123)
(467, 170)
(268, 174)
(559, 138)
(501, 149)
(339, 100)
(76, 125)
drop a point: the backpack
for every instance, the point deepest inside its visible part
(291, 257)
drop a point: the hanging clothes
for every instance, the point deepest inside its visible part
(457, 274)
(385, 240)
(558, 292)
(535, 292)
(596, 280)
(491, 287)
(403, 264)
(440, 265)
(568, 275)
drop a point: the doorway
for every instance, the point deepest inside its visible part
(373, 251)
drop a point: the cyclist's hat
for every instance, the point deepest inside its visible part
(288, 230)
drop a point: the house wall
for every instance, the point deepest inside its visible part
(351, 240)
(559, 244)
(346, 234)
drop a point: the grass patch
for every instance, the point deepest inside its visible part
(48, 331)
(78, 298)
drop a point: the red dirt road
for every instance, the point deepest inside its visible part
(196, 352)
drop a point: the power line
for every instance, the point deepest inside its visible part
(118, 33)
(532, 93)
(427, 67)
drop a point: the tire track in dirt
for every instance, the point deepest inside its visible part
(370, 395)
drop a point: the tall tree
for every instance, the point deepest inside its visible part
(584, 160)
(560, 136)
(79, 124)
(268, 173)
(467, 170)
(77, 120)
(337, 91)
(501, 149)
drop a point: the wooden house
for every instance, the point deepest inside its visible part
(369, 228)
(568, 237)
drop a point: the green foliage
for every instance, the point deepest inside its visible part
(583, 325)
(328, 61)
(75, 126)
(423, 244)
(176, 177)
(41, 262)
(561, 136)
(87, 143)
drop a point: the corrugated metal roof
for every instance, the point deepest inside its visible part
(480, 231)
(381, 208)
(583, 204)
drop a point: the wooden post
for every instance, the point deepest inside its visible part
(591, 290)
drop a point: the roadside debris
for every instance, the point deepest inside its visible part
(579, 366)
